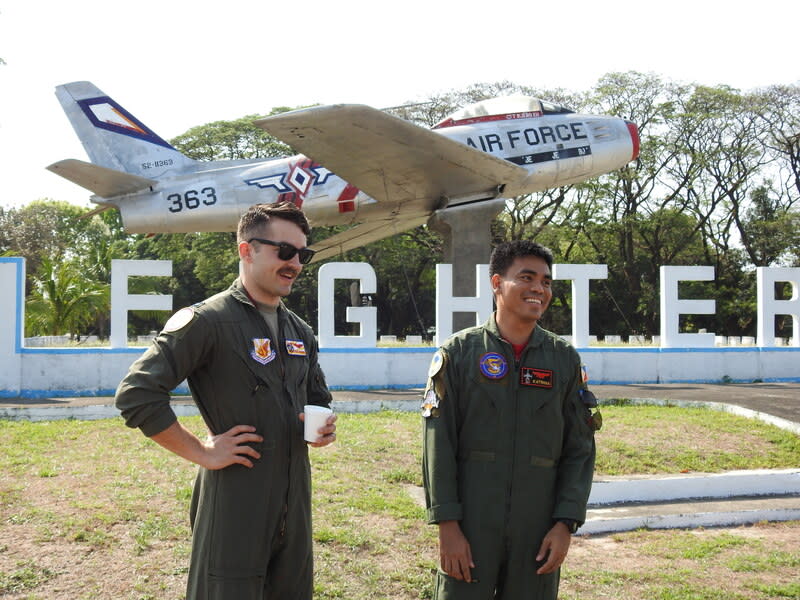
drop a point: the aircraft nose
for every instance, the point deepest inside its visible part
(634, 131)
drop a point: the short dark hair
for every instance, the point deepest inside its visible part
(259, 215)
(505, 254)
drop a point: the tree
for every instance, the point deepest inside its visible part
(779, 108)
(239, 139)
(405, 271)
(730, 144)
(717, 182)
(42, 228)
(611, 219)
(770, 227)
(63, 300)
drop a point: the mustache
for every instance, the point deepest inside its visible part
(289, 271)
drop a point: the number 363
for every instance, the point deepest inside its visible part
(192, 199)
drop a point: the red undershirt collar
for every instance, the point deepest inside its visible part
(518, 348)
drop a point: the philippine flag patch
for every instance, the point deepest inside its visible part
(262, 351)
(295, 347)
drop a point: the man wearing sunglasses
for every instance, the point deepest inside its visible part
(251, 365)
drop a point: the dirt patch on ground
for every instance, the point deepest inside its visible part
(94, 512)
(744, 563)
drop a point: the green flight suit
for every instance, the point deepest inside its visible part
(507, 450)
(251, 527)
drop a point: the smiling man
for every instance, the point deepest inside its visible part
(508, 442)
(251, 365)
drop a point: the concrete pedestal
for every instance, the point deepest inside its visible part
(467, 242)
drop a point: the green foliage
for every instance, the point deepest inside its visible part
(229, 140)
(770, 228)
(405, 269)
(717, 183)
(216, 260)
(63, 300)
(48, 228)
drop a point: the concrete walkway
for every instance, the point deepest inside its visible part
(781, 400)
(616, 503)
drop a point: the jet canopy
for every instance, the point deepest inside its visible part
(501, 109)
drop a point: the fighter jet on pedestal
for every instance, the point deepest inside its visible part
(360, 166)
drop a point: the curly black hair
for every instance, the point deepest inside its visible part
(504, 254)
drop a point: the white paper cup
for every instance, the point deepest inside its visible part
(316, 417)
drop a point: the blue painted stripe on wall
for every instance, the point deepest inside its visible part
(655, 350)
(417, 350)
(34, 394)
(135, 350)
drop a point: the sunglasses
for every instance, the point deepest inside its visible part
(286, 251)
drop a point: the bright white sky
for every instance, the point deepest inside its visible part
(177, 64)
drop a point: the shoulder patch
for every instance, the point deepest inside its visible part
(179, 320)
(430, 404)
(437, 362)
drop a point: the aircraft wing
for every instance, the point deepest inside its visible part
(102, 181)
(362, 234)
(390, 159)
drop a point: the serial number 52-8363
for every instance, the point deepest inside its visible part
(192, 199)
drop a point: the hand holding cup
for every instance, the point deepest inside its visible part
(316, 418)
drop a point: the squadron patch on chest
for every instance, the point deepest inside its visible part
(295, 348)
(262, 351)
(493, 365)
(542, 378)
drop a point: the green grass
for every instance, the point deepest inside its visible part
(789, 590)
(94, 510)
(655, 439)
(26, 576)
(761, 563)
(690, 546)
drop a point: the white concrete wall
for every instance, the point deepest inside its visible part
(64, 372)
(50, 372)
(12, 274)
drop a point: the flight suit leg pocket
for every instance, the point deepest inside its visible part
(521, 581)
(545, 587)
(449, 588)
(224, 586)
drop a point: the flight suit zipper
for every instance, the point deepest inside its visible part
(509, 350)
(515, 393)
(288, 424)
(288, 411)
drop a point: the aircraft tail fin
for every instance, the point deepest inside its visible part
(114, 138)
(102, 181)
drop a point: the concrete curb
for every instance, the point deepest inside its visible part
(185, 407)
(86, 412)
(762, 482)
(695, 500)
(690, 515)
